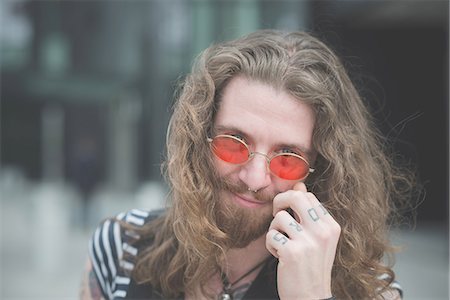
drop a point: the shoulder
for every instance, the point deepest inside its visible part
(113, 250)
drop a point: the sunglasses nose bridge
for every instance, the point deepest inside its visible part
(252, 154)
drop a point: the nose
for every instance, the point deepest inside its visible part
(255, 173)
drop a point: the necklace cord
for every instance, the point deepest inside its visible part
(227, 284)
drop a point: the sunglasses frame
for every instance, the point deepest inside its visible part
(251, 154)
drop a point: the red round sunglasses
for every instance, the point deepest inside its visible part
(288, 166)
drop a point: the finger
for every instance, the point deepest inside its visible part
(284, 222)
(274, 240)
(323, 210)
(283, 200)
(300, 186)
(291, 200)
(319, 207)
(305, 205)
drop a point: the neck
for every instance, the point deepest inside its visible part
(241, 260)
(238, 262)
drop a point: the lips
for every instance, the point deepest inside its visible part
(247, 201)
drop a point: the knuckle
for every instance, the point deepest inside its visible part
(276, 199)
(336, 228)
(292, 194)
(323, 236)
(293, 252)
(276, 216)
(311, 248)
(283, 213)
(268, 235)
(310, 195)
(271, 226)
(328, 234)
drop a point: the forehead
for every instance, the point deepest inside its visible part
(268, 115)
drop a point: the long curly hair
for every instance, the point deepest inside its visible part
(354, 178)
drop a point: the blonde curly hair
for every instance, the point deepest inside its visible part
(354, 177)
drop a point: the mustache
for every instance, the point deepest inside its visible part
(241, 188)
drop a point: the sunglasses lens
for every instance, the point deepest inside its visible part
(230, 150)
(289, 167)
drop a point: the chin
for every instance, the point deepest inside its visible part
(243, 222)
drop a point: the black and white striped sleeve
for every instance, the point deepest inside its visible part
(106, 250)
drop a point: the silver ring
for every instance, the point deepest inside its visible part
(250, 190)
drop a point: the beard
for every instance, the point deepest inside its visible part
(242, 225)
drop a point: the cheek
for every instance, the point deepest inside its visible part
(225, 169)
(284, 185)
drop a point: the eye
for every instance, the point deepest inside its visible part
(288, 150)
(238, 136)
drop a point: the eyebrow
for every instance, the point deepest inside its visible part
(308, 153)
(222, 128)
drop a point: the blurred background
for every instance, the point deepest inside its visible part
(87, 89)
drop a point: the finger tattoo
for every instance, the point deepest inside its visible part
(313, 214)
(324, 210)
(296, 225)
(280, 238)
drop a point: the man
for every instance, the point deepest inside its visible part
(279, 186)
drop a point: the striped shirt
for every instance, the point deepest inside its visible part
(107, 248)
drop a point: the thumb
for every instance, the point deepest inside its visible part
(300, 186)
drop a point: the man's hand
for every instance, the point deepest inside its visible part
(305, 244)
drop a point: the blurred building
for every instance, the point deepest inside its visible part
(87, 86)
